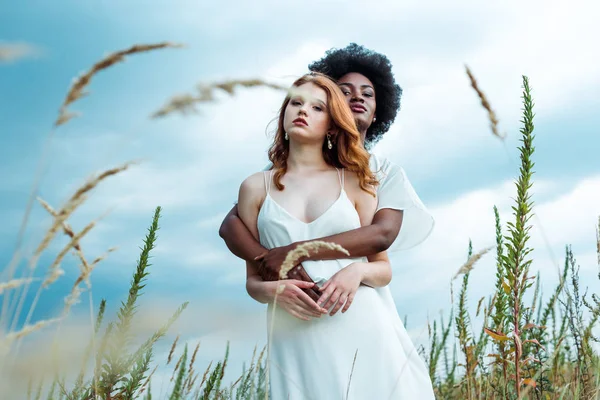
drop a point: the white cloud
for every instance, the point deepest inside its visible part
(422, 276)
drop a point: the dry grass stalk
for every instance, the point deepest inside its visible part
(173, 346)
(303, 250)
(27, 329)
(68, 231)
(15, 283)
(54, 272)
(468, 266)
(205, 374)
(176, 367)
(76, 91)
(145, 384)
(193, 360)
(72, 204)
(486, 104)
(10, 52)
(86, 272)
(52, 275)
(185, 103)
(351, 372)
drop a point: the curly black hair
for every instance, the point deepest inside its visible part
(378, 69)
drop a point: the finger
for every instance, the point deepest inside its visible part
(312, 294)
(308, 312)
(302, 284)
(303, 310)
(310, 303)
(316, 290)
(315, 294)
(325, 295)
(348, 302)
(261, 256)
(299, 315)
(333, 299)
(339, 304)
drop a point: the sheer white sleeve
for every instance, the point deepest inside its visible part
(396, 192)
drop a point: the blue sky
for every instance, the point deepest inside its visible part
(193, 165)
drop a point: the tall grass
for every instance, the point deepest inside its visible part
(543, 349)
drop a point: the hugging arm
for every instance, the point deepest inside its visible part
(238, 238)
(365, 241)
(242, 243)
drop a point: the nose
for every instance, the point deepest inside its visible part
(356, 97)
(302, 111)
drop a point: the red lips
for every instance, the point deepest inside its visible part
(300, 121)
(358, 108)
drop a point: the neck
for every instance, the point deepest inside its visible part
(305, 156)
(363, 136)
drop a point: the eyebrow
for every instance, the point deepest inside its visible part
(362, 86)
(313, 99)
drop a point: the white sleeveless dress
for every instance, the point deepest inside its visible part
(314, 359)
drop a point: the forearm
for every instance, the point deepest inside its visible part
(359, 242)
(375, 273)
(367, 240)
(238, 238)
(259, 290)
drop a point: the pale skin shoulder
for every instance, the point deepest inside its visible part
(250, 198)
(364, 202)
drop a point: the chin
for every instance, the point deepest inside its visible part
(361, 123)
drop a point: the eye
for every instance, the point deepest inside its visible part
(368, 94)
(318, 108)
(295, 102)
(346, 93)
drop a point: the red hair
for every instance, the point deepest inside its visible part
(347, 151)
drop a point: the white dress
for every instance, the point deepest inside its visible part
(315, 359)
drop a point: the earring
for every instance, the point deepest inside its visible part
(286, 137)
(329, 145)
(374, 119)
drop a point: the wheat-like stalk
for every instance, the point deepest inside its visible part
(145, 384)
(56, 263)
(71, 205)
(10, 52)
(173, 346)
(468, 266)
(15, 283)
(185, 103)
(303, 250)
(27, 329)
(486, 104)
(193, 360)
(76, 90)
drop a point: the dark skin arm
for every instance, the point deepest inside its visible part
(241, 242)
(360, 242)
(238, 238)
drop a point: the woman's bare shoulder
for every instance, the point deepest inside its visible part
(254, 186)
(353, 188)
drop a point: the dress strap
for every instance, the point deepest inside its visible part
(341, 177)
(268, 175)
